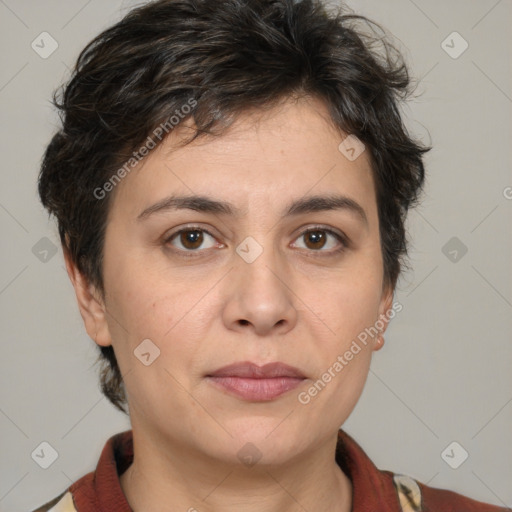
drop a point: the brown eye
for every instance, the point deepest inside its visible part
(315, 239)
(321, 240)
(191, 239)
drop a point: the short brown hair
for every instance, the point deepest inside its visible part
(229, 56)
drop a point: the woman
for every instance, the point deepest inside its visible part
(231, 182)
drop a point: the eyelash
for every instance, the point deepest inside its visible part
(194, 253)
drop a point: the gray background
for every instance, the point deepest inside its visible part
(444, 373)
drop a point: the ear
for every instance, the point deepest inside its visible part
(385, 314)
(90, 303)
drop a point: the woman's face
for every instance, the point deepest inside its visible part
(250, 285)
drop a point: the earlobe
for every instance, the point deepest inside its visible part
(378, 343)
(90, 303)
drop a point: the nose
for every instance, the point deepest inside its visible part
(260, 297)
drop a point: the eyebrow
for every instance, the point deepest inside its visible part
(310, 204)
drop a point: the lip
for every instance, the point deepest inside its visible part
(251, 382)
(253, 371)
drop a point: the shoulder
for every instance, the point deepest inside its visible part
(415, 496)
(373, 487)
(62, 503)
(100, 486)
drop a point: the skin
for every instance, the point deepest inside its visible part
(293, 304)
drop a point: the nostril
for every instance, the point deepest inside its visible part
(244, 322)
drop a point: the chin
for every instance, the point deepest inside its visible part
(272, 438)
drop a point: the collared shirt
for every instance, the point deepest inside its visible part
(373, 490)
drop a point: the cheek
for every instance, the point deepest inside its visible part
(343, 351)
(140, 294)
(146, 309)
(350, 304)
(173, 314)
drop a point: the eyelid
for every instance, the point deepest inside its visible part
(339, 235)
(191, 227)
(321, 227)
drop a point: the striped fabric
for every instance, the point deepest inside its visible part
(409, 493)
(65, 504)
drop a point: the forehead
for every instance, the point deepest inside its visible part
(262, 159)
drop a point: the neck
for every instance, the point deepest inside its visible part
(194, 483)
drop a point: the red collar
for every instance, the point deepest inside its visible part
(100, 491)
